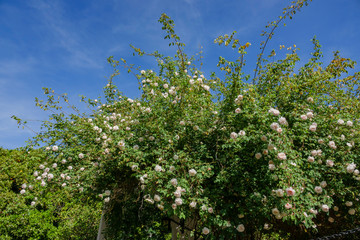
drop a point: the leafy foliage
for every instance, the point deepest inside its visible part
(228, 158)
(51, 215)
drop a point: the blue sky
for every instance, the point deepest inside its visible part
(64, 44)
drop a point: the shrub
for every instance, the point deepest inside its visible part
(222, 157)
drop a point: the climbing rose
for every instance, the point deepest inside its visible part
(240, 228)
(290, 191)
(205, 231)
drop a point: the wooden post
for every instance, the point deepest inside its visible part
(179, 232)
(102, 226)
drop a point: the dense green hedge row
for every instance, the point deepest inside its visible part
(54, 215)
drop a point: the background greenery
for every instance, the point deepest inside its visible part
(56, 215)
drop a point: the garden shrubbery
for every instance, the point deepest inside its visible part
(225, 157)
(53, 214)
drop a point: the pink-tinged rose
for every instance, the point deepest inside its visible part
(281, 156)
(325, 208)
(288, 206)
(311, 159)
(312, 128)
(313, 211)
(290, 191)
(329, 163)
(332, 144)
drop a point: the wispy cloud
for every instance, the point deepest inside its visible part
(64, 34)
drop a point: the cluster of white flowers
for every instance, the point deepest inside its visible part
(351, 168)
(274, 112)
(238, 99)
(332, 145)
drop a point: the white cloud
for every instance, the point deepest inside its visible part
(65, 34)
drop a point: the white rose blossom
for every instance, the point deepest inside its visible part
(158, 168)
(280, 193)
(178, 201)
(233, 135)
(275, 211)
(240, 228)
(281, 156)
(192, 172)
(283, 121)
(271, 167)
(274, 126)
(325, 208)
(350, 168)
(311, 159)
(313, 127)
(205, 231)
(332, 145)
(329, 163)
(157, 198)
(351, 211)
(318, 189)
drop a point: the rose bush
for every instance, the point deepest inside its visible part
(238, 159)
